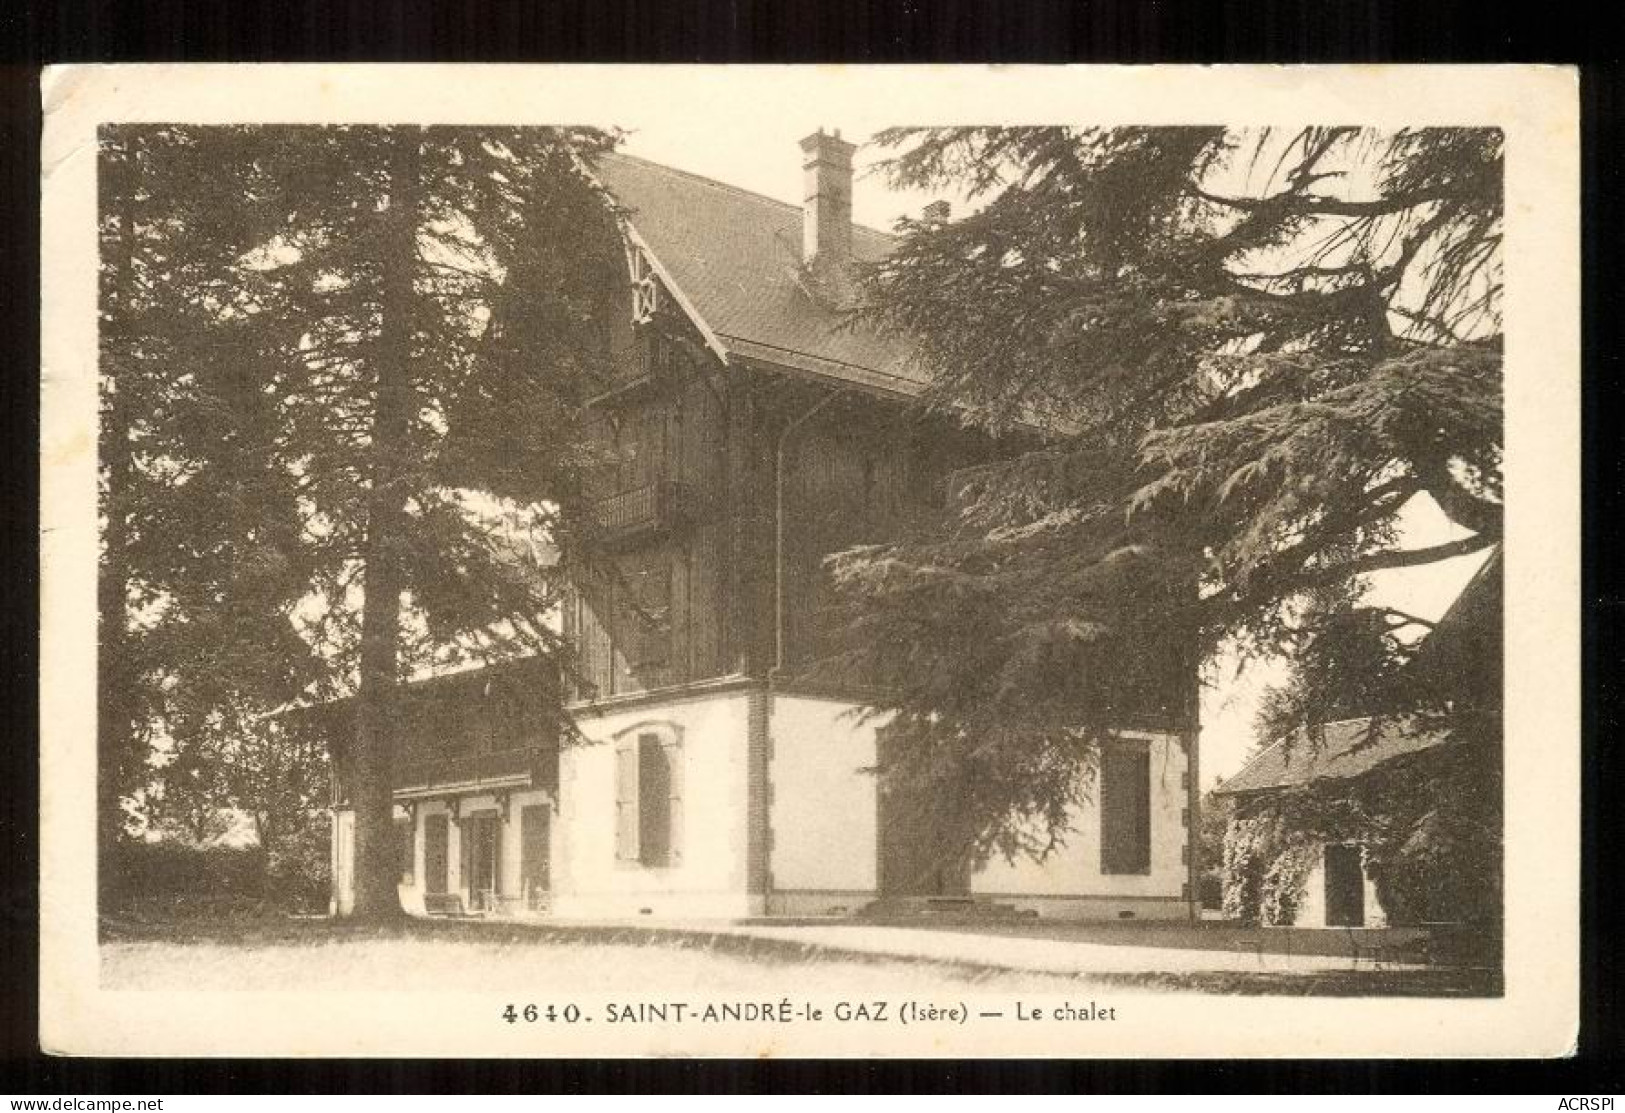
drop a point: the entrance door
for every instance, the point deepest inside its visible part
(481, 868)
(435, 857)
(1345, 887)
(911, 840)
(535, 847)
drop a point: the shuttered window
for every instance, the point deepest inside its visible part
(1125, 809)
(644, 627)
(649, 800)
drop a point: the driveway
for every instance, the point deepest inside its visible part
(1083, 949)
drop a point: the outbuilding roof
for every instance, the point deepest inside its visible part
(735, 256)
(1345, 750)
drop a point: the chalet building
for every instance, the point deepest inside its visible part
(1311, 838)
(755, 432)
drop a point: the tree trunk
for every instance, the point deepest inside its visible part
(262, 837)
(371, 791)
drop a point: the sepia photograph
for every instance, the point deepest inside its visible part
(795, 574)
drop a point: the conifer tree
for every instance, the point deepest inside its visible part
(411, 317)
(1236, 358)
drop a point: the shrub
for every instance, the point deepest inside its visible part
(300, 869)
(170, 877)
(168, 868)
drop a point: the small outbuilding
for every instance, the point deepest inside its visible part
(1386, 819)
(1302, 845)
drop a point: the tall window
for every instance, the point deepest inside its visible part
(406, 849)
(640, 444)
(1125, 808)
(649, 799)
(643, 632)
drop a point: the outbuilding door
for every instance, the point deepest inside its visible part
(482, 866)
(1345, 887)
(535, 847)
(435, 857)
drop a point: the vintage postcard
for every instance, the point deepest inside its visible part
(810, 561)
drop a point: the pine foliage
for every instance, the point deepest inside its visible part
(1233, 359)
(333, 357)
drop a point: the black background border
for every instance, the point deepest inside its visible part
(33, 33)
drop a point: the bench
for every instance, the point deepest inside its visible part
(443, 904)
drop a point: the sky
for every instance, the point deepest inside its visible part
(1231, 699)
(764, 156)
(762, 153)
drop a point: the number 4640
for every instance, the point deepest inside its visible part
(530, 1014)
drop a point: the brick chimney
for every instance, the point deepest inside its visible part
(826, 212)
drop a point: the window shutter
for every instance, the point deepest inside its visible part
(654, 790)
(465, 858)
(674, 814)
(626, 800)
(436, 853)
(1142, 814)
(1125, 809)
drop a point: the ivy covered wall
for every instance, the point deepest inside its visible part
(1429, 825)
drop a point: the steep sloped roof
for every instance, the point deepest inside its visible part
(1464, 647)
(1349, 749)
(736, 257)
(1462, 654)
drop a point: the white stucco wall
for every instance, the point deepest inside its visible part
(823, 803)
(822, 825)
(342, 862)
(710, 878)
(1311, 910)
(586, 878)
(412, 895)
(1070, 881)
(823, 818)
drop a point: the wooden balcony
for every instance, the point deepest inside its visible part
(652, 509)
(636, 377)
(477, 772)
(629, 385)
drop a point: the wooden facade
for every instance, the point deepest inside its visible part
(652, 610)
(684, 582)
(687, 581)
(495, 726)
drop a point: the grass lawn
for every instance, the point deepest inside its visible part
(473, 956)
(287, 954)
